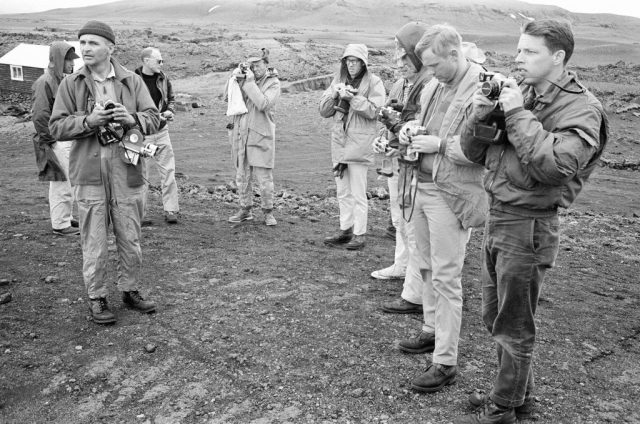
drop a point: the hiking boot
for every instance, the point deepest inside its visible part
(69, 231)
(171, 217)
(491, 413)
(401, 306)
(435, 378)
(388, 273)
(424, 343)
(523, 412)
(241, 216)
(100, 313)
(133, 300)
(343, 237)
(269, 219)
(356, 243)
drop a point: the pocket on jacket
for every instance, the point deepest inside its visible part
(261, 141)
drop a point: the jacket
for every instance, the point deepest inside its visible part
(75, 100)
(352, 138)
(553, 146)
(458, 179)
(254, 133)
(43, 95)
(168, 100)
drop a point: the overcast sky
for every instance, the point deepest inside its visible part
(619, 7)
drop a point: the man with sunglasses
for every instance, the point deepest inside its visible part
(162, 94)
(253, 135)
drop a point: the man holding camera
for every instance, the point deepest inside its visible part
(540, 146)
(162, 94)
(253, 135)
(52, 156)
(352, 100)
(108, 187)
(449, 199)
(405, 92)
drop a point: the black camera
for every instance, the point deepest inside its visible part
(243, 67)
(343, 105)
(388, 116)
(492, 83)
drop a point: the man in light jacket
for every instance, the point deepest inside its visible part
(351, 101)
(52, 156)
(253, 135)
(449, 201)
(108, 188)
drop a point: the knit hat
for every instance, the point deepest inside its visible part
(98, 28)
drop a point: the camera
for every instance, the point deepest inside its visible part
(412, 132)
(343, 105)
(243, 67)
(389, 116)
(492, 83)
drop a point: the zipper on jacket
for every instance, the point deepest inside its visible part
(493, 180)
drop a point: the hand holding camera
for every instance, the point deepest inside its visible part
(167, 115)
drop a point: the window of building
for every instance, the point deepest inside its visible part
(16, 73)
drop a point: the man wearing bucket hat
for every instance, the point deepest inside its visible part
(109, 189)
(52, 156)
(352, 101)
(253, 135)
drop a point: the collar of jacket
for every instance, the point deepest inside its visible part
(161, 74)
(566, 79)
(122, 74)
(464, 93)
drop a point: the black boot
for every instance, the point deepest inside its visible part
(343, 237)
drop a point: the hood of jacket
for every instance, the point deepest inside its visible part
(356, 50)
(57, 52)
(407, 38)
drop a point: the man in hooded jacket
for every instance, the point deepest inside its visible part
(406, 91)
(52, 156)
(352, 100)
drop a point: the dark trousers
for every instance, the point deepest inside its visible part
(517, 252)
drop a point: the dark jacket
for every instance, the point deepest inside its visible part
(44, 91)
(168, 101)
(553, 146)
(75, 100)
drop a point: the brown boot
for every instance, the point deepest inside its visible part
(100, 313)
(133, 300)
(343, 237)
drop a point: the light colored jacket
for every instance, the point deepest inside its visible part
(352, 139)
(459, 180)
(254, 133)
(76, 99)
(553, 146)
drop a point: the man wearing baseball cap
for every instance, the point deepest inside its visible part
(253, 135)
(109, 189)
